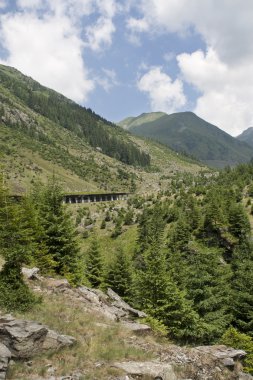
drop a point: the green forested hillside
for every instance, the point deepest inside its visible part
(83, 122)
(186, 132)
(247, 136)
(183, 255)
(43, 132)
(180, 248)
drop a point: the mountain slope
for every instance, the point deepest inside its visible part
(131, 122)
(43, 132)
(186, 132)
(247, 136)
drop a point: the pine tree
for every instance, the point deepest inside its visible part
(119, 276)
(94, 265)
(129, 217)
(239, 224)
(159, 296)
(180, 236)
(242, 286)
(17, 245)
(59, 234)
(207, 284)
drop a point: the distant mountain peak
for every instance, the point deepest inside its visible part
(247, 136)
(186, 132)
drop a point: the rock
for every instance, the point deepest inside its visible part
(245, 376)
(153, 369)
(31, 273)
(54, 341)
(222, 352)
(228, 362)
(57, 283)
(5, 356)
(137, 328)
(22, 339)
(119, 303)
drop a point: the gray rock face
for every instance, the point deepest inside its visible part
(5, 356)
(245, 376)
(119, 303)
(109, 305)
(137, 328)
(30, 273)
(22, 339)
(26, 338)
(152, 369)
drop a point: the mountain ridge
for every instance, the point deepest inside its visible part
(247, 136)
(188, 133)
(43, 132)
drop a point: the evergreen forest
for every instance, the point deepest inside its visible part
(189, 266)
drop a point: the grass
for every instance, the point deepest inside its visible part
(99, 343)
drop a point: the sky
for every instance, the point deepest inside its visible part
(125, 57)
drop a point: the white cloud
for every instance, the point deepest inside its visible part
(45, 40)
(137, 25)
(31, 4)
(49, 50)
(100, 34)
(108, 80)
(226, 96)
(164, 94)
(3, 4)
(223, 73)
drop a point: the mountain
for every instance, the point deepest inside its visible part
(130, 122)
(188, 133)
(247, 136)
(43, 132)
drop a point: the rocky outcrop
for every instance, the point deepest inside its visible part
(21, 339)
(5, 356)
(170, 362)
(181, 363)
(109, 305)
(153, 370)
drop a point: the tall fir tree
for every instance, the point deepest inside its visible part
(59, 234)
(17, 245)
(160, 297)
(94, 265)
(242, 287)
(208, 287)
(119, 276)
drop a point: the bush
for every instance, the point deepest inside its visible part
(14, 293)
(233, 338)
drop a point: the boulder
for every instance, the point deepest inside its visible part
(21, 339)
(245, 376)
(31, 273)
(137, 328)
(154, 370)
(5, 356)
(117, 301)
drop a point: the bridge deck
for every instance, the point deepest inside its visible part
(88, 198)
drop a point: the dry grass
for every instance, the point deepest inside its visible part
(99, 343)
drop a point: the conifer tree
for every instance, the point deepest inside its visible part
(119, 276)
(94, 265)
(59, 234)
(242, 287)
(16, 245)
(179, 236)
(239, 224)
(208, 287)
(160, 297)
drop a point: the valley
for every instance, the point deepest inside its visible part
(178, 247)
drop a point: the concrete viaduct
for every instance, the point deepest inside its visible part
(88, 198)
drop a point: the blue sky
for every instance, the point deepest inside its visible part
(122, 58)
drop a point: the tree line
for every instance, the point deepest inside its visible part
(193, 262)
